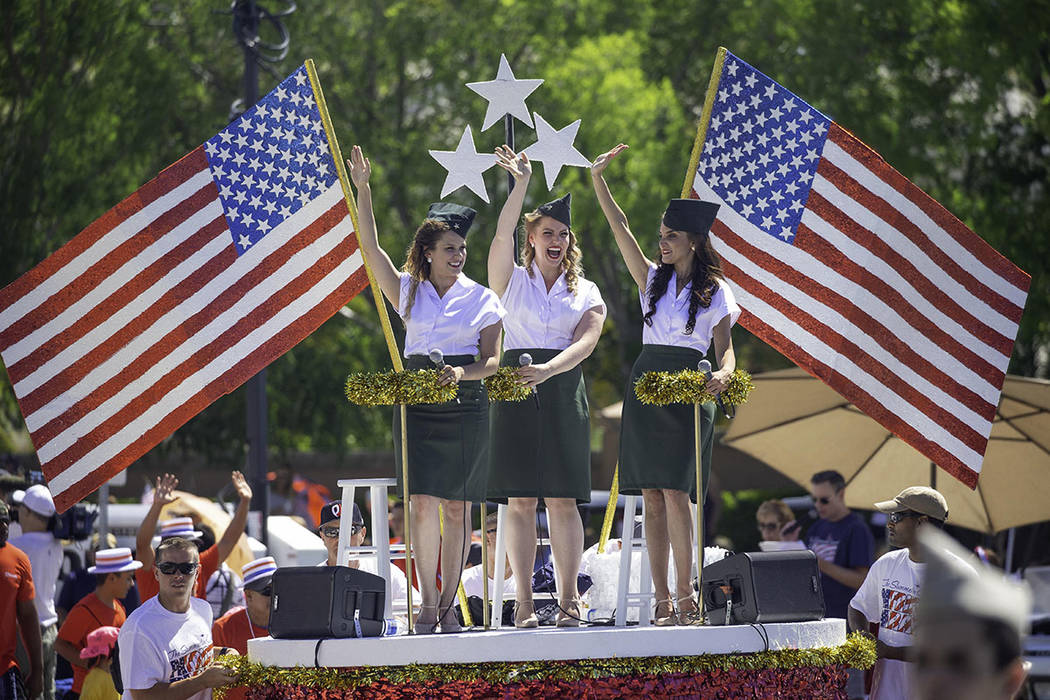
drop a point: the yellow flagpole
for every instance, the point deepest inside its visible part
(705, 119)
(384, 318)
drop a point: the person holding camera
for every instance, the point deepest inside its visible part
(36, 513)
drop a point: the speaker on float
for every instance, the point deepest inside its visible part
(763, 587)
(313, 602)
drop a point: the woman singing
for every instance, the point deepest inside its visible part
(541, 446)
(452, 319)
(686, 304)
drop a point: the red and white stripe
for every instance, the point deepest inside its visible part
(149, 315)
(885, 296)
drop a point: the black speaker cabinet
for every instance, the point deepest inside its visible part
(313, 602)
(764, 587)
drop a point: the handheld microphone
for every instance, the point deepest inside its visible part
(704, 367)
(438, 358)
(525, 360)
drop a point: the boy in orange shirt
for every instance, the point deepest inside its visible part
(240, 624)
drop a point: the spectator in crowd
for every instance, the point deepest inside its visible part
(329, 532)
(166, 645)
(223, 588)
(210, 558)
(36, 514)
(114, 572)
(98, 655)
(292, 494)
(396, 520)
(80, 582)
(251, 620)
(969, 626)
(17, 612)
(472, 578)
(773, 517)
(889, 592)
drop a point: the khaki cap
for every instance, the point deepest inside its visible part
(921, 499)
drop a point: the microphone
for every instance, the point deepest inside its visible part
(704, 368)
(525, 360)
(438, 358)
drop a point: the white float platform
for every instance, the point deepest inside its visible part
(547, 644)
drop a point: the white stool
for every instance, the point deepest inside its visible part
(643, 597)
(380, 528)
(496, 614)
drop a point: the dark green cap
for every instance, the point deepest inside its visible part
(458, 217)
(560, 209)
(690, 215)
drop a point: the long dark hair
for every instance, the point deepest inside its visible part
(704, 274)
(416, 263)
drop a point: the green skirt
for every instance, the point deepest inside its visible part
(657, 442)
(448, 443)
(541, 447)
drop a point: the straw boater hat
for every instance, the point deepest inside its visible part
(179, 527)
(257, 574)
(113, 561)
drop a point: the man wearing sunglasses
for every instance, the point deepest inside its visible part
(166, 644)
(891, 589)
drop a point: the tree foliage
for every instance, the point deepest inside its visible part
(97, 97)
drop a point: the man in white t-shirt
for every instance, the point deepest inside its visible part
(891, 589)
(35, 512)
(165, 644)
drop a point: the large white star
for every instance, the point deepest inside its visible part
(554, 147)
(465, 166)
(506, 95)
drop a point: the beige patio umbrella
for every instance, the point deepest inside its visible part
(798, 425)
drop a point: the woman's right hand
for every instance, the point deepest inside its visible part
(517, 164)
(360, 167)
(602, 162)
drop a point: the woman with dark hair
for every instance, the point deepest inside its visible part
(456, 322)
(541, 447)
(686, 304)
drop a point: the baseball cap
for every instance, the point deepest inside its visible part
(38, 499)
(921, 499)
(331, 511)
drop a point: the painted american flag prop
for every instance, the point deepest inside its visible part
(181, 292)
(853, 272)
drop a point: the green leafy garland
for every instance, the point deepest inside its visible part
(687, 386)
(857, 652)
(393, 388)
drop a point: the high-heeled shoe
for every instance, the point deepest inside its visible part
(449, 623)
(568, 613)
(689, 612)
(522, 621)
(668, 620)
(425, 627)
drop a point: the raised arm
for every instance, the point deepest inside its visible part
(382, 267)
(501, 252)
(637, 263)
(240, 517)
(162, 496)
(584, 339)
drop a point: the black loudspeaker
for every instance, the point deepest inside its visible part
(314, 602)
(764, 587)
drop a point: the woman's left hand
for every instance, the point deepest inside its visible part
(719, 381)
(534, 375)
(450, 375)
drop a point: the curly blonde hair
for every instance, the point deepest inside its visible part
(416, 263)
(570, 264)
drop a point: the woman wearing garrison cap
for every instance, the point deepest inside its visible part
(541, 447)
(452, 319)
(686, 304)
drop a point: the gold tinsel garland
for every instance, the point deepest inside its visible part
(504, 386)
(393, 388)
(687, 386)
(857, 652)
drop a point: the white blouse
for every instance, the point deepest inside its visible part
(672, 314)
(452, 323)
(537, 318)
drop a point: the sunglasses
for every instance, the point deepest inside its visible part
(897, 517)
(268, 591)
(823, 500)
(768, 526)
(168, 568)
(333, 532)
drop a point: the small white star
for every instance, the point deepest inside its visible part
(300, 77)
(506, 95)
(465, 166)
(244, 241)
(785, 233)
(554, 149)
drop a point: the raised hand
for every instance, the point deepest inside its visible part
(165, 485)
(602, 162)
(360, 167)
(517, 165)
(240, 485)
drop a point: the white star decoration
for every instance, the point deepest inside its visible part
(554, 148)
(465, 166)
(506, 95)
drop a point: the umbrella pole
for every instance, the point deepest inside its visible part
(699, 512)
